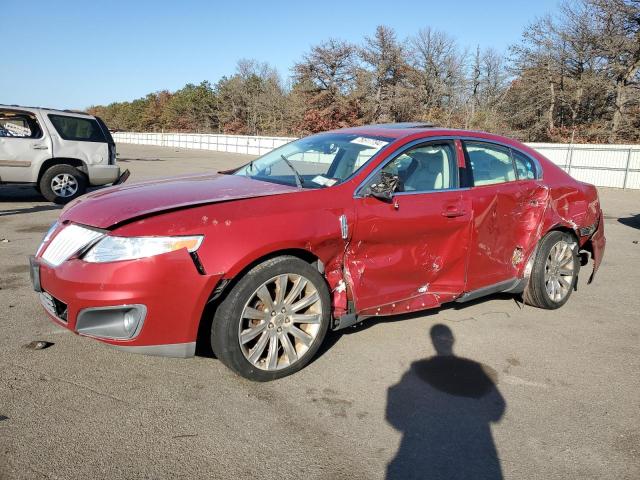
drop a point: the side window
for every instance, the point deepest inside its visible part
(490, 164)
(19, 124)
(526, 168)
(76, 128)
(425, 168)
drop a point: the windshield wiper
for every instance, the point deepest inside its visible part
(299, 180)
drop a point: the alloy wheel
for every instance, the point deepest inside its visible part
(280, 322)
(559, 271)
(64, 185)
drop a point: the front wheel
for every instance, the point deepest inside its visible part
(555, 271)
(273, 320)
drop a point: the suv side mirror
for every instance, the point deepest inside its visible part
(384, 186)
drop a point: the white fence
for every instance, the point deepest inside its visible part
(204, 141)
(602, 165)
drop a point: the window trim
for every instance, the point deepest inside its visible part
(26, 113)
(358, 192)
(536, 163)
(88, 119)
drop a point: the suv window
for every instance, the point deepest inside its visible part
(19, 124)
(525, 167)
(76, 128)
(425, 168)
(490, 164)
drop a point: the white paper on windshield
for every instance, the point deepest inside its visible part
(324, 181)
(369, 142)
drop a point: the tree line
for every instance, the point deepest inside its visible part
(573, 76)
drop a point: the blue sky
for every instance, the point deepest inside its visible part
(72, 54)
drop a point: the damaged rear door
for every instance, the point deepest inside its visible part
(410, 253)
(508, 204)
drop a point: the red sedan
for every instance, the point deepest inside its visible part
(319, 234)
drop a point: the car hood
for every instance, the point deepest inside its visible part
(115, 205)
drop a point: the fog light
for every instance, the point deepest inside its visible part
(130, 321)
(118, 322)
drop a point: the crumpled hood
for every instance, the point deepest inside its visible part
(113, 205)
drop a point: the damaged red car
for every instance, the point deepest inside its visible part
(319, 234)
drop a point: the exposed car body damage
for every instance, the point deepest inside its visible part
(416, 251)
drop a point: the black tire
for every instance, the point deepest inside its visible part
(63, 169)
(225, 327)
(536, 293)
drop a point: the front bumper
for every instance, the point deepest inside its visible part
(168, 286)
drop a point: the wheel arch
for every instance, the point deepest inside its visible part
(227, 282)
(562, 228)
(74, 162)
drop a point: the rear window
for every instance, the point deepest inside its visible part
(79, 129)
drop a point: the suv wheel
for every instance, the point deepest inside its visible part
(273, 321)
(554, 273)
(62, 183)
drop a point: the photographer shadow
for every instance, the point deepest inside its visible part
(444, 406)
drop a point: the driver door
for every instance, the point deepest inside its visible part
(410, 253)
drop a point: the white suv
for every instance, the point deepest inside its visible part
(59, 152)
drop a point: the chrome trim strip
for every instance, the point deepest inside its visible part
(49, 305)
(504, 145)
(344, 227)
(69, 241)
(15, 163)
(413, 143)
(176, 350)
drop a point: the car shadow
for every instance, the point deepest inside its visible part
(633, 221)
(27, 194)
(21, 211)
(444, 406)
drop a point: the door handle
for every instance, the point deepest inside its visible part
(453, 213)
(40, 147)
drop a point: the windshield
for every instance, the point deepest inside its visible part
(314, 162)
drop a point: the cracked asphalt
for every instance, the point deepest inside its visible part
(527, 393)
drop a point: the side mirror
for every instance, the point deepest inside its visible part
(383, 187)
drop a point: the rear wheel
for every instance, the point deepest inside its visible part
(62, 183)
(555, 271)
(273, 320)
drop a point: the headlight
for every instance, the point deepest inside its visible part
(113, 249)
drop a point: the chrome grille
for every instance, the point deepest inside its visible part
(53, 306)
(71, 239)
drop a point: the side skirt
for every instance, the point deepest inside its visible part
(514, 285)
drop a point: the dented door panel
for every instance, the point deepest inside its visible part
(496, 232)
(413, 250)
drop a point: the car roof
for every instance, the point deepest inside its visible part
(53, 110)
(406, 129)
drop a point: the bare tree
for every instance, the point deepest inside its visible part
(439, 69)
(385, 57)
(617, 39)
